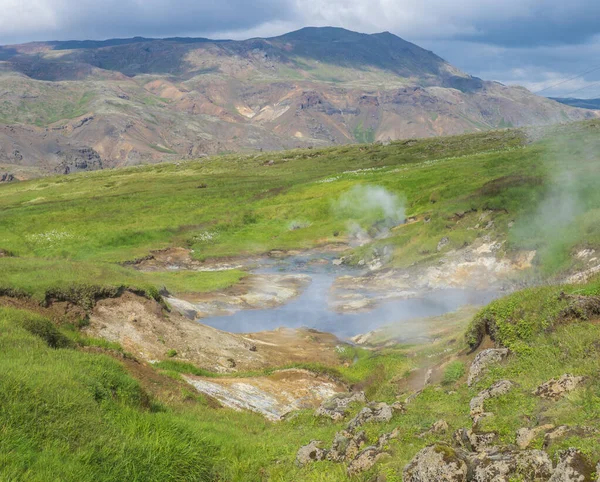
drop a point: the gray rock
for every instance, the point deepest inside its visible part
(443, 243)
(504, 465)
(557, 388)
(365, 460)
(346, 446)
(439, 427)
(473, 441)
(526, 435)
(573, 466)
(372, 413)
(337, 406)
(477, 404)
(311, 453)
(483, 360)
(436, 463)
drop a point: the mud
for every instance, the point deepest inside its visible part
(145, 330)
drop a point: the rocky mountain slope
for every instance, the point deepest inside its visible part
(72, 106)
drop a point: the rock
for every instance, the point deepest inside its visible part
(384, 439)
(443, 243)
(557, 388)
(439, 427)
(365, 460)
(311, 453)
(505, 465)
(436, 463)
(483, 360)
(7, 177)
(473, 441)
(573, 466)
(500, 388)
(526, 435)
(481, 440)
(336, 407)
(346, 446)
(374, 412)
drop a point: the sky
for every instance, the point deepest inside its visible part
(535, 43)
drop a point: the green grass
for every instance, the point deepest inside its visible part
(70, 415)
(39, 278)
(66, 415)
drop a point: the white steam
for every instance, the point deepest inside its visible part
(370, 212)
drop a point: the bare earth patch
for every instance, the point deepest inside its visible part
(274, 396)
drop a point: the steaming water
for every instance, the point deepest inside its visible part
(311, 309)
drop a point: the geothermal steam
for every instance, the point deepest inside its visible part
(370, 212)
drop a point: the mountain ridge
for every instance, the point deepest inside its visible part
(79, 105)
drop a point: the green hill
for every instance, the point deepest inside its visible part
(78, 407)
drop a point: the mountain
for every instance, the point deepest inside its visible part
(80, 105)
(593, 104)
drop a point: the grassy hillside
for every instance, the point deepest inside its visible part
(74, 409)
(231, 206)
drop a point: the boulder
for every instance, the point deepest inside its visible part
(311, 453)
(365, 460)
(526, 435)
(477, 404)
(336, 407)
(557, 388)
(372, 413)
(473, 441)
(439, 427)
(483, 360)
(573, 466)
(505, 465)
(436, 463)
(346, 446)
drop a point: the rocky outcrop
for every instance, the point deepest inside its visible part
(505, 465)
(372, 413)
(483, 360)
(557, 388)
(564, 431)
(477, 404)
(573, 466)
(439, 427)
(311, 453)
(346, 446)
(526, 435)
(474, 441)
(365, 460)
(336, 408)
(439, 463)
(444, 463)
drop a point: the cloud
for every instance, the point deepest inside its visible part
(24, 20)
(531, 42)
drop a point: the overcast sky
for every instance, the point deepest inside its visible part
(535, 43)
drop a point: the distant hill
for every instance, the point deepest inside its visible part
(77, 105)
(593, 104)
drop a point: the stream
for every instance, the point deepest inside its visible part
(311, 309)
